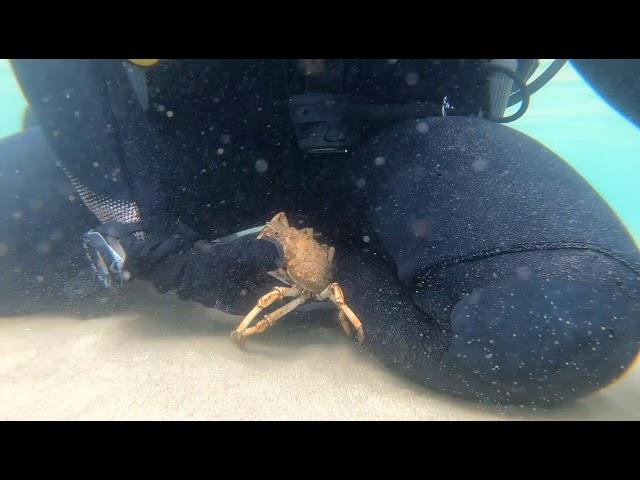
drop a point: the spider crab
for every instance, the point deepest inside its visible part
(307, 269)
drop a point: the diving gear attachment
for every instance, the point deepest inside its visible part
(333, 123)
(321, 123)
(544, 78)
(500, 86)
(144, 62)
(138, 80)
(105, 261)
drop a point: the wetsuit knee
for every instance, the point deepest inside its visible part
(536, 327)
(507, 246)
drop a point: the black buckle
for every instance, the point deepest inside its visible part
(105, 261)
(321, 123)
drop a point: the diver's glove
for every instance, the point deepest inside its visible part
(229, 275)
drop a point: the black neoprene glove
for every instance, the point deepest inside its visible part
(229, 276)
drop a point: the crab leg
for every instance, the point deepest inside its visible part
(346, 326)
(270, 319)
(330, 254)
(334, 293)
(276, 294)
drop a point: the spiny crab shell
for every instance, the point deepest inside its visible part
(306, 262)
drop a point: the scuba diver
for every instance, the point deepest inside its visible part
(479, 262)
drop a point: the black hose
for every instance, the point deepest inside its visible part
(539, 82)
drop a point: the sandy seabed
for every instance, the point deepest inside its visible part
(171, 360)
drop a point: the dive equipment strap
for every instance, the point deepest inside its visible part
(107, 264)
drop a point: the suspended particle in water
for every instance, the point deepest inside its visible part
(419, 172)
(17, 215)
(96, 164)
(366, 239)
(170, 114)
(220, 151)
(261, 165)
(420, 227)
(56, 235)
(379, 161)
(72, 198)
(360, 182)
(160, 108)
(422, 127)
(480, 165)
(4, 249)
(126, 275)
(36, 204)
(412, 79)
(523, 273)
(43, 248)
(39, 278)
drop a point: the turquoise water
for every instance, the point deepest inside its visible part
(566, 115)
(12, 102)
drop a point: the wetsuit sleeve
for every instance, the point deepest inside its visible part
(617, 81)
(116, 161)
(71, 102)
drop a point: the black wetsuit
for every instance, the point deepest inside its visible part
(478, 260)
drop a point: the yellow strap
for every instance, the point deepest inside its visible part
(144, 62)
